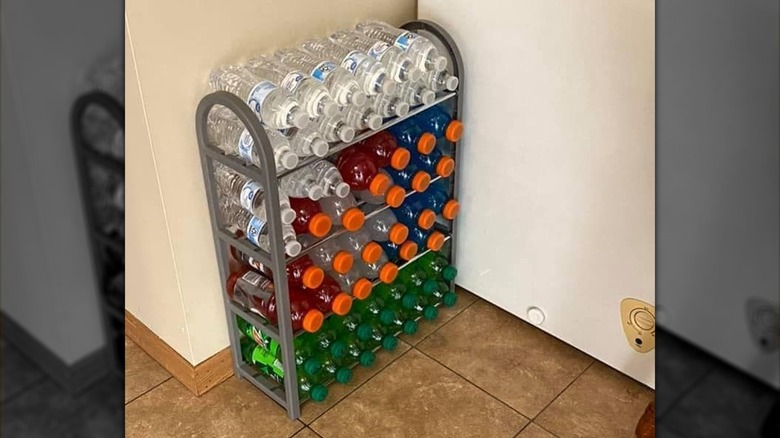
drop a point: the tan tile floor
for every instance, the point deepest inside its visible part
(446, 381)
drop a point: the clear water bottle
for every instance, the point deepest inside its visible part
(422, 51)
(384, 226)
(228, 133)
(370, 73)
(334, 128)
(330, 257)
(399, 65)
(382, 269)
(440, 80)
(275, 106)
(371, 198)
(308, 141)
(388, 105)
(362, 117)
(415, 93)
(256, 229)
(301, 183)
(330, 179)
(248, 193)
(311, 94)
(354, 284)
(344, 211)
(342, 86)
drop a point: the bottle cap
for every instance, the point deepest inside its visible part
(361, 289)
(389, 342)
(367, 359)
(399, 159)
(451, 83)
(435, 241)
(288, 160)
(329, 107)
(386, 316)
(353, 219)
(420, 181)
(408, 301)
(389, 86)
(320, 225)
(451, 209)
(313, 320)
(292, 248)
(449, 273)
(346, 133)
(315, 193)
(445, 167)
(388, 272)
(341, 304)
(320, 147)
(454, 130)
(358, 98)
(439, 63)
(374, 121)
(395, 196)
(426, 219)
(318, 393)
(299, 118)
(341, 190)
(312, 366)
(288, 216)
(343, 375)
(429, 286)
(401, 109)
(449, 299)
(398, 233)
(342, 262)
(313, 277)
(371, 252)
(427, 97)
(408, 250)
(426, 143)
(414, 74)
(430, 313)
(364, 331)
(379, 184)
(337, 349)
(410, 327)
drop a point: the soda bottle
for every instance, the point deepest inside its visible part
(248, 193)
(303, 313)
(437, 266)
(412, 137)
(330, 257)
(335, 369)
(334, 128)
(394, 196)
(399, 65)
(435, 163)
(311, 387)
(356, 352)
(384, 226)
(361, 173)
(354, 284)
(307, 141)
(440, 80)
(274, 106)
(302, 183)
(424, 53)
(303, 273)
(399, 314)
(415, 93)
(228, 133)
(411, 178)
(361, 118)
(368, 309)
(248, 288)
(440, 123)
(413, 279)
(329, 178)
(400, 253)
(262, 359)
(360, 245)
(431, 239)
(440, 291)
(389, 105)
(437, 200)
(344, 211)
(390, 292)
(329, 297)
(324, 339)
(424, 306)
(341, 85)
(373, 334)
(255, 229)
(309, 218)
(370, 73)
(384, 151)
(382, 269)
(311, 94)
(413, 214)
(304, 350)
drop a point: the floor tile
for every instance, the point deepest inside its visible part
(415, 396)
(679, 366)
(142, 373)
(535, 431)
(601, 403)
(18, 373)
(235, 408)
(311, 410)
(665, 432)
(46, 410)
(465, 299)
(514, 361)
(306, 433)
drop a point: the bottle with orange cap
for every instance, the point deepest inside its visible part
(394, 196)
(384, 150)
(360, 173)
(429, 239)
(303, 273)
(360, 245)
(303, 312)
(412, 137)
(355, 284)
(440, 123)
(343, 211)
(411, 178)
(414, 213)
(309, 218)
(435, 163)
(382, 269)
(384, 227)
(400, 253)
(330, 257)
(437, 200)
(330, 298)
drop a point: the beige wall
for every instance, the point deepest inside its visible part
(172, 279)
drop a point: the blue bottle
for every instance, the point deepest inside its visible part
(440, 123)
(399, 254)
(410, 177)
(437, 199)
(429, 239)
(414, 214)
(435, 163)
(410, 136)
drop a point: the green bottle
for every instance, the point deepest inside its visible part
(420, 305)
(391, 317)
(412, 277)
(437, 266)
(390, 292)
(440, 290)
(369, 308)
(312, 387)
(375, 334)
(325, 338)
(261, 358)
(303, 346)
(335, 369)
(357, 351)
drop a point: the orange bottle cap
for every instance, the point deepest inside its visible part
(421, 181)
(341, 304)
(408, 250)
(454, 130)
(313, 277)
(379, 184)
(313, 320)
(342, 262)
(395, 196)
(426, 143)
(435, 241)
(445, 167)
(353, 219)
(388, 272)
(320, 224)
(426, 219)
(451, 209)
(371, 252)
(398, 233)
(362, 289)
(400, 158)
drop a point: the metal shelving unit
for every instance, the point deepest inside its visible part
(276, 259)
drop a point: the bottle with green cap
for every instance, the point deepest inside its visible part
(262, 359)
(375, 334)
(312, 387)
(420, 305)
(413, 278)
(390, 292)
(440, 290)
(335, 369)
(369, 308)
(305, 362)
(393, 320)
(357, 351)
(437, 266)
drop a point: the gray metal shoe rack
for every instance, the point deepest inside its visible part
(287, 394)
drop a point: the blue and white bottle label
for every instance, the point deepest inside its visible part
(353, 60)
(405, 40)
(258, 95)
(246, 146)
(378, 50)
(254, 229)
(292, 81)
(249, 192)
(322, 70)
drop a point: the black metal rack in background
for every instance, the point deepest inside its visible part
(107, 250)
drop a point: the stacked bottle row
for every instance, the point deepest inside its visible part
(342, 341)
(327, 89)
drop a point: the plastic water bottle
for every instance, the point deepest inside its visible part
(384, 226)
(275, 106)
(343, 211)
(415, 93)
(370, 73)
(400, 253)
(334, 128)
(382, 269)
(248, 193)
(329, 298)
(394, 196)
(435, 163)
(256, 230)
(342, 86)
(330, 257)
(228, 133)
(308, 141)
(411, 178)
(356, 285)
(440, 123)
(311, 94)
(330, 179)
(388, 105)
(421, 49)
(384, 150)
(413, 213)
(309, 218)
(302, 184)
(431, 239)
(360, 245)
(440, 80)
(399, 65)
(409, 135)
(362, 117)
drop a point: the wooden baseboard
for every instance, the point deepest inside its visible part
(198, 378)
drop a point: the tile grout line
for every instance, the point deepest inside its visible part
(557, 396)
(444, 324)
(147, 391)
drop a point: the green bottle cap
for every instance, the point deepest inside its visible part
(389, 342)
(449, 299)
(408, 301)
(449, 273)
(318, 393)
(386, 316)
(337, 349)
(410, 327)
(430, 313)
(367, 358)
(343, 375)
(364, 332)
(312, 366)
(430, 286)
